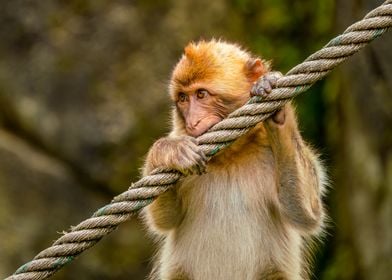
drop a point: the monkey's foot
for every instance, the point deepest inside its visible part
(265, 84)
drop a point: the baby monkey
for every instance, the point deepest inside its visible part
(251, 211)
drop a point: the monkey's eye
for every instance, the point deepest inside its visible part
(182, 97)
(201, 93)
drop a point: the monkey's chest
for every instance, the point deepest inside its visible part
(224, 225)
(239, 189)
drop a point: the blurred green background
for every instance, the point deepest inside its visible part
(83, 95)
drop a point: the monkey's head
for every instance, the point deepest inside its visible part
(211, 80)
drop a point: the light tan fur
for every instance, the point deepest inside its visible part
(248, 215)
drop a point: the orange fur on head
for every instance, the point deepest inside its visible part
(225, 70)
(206, 62)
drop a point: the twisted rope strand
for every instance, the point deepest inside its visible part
(143, 192)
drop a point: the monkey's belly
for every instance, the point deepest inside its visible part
(224, 234)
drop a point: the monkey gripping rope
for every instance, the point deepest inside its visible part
(143, 192)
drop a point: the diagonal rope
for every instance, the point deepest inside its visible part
(297, 80)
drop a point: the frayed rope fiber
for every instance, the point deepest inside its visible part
(297, 80)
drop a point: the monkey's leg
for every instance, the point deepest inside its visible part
(299, 174)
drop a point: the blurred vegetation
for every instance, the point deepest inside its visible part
(83, 96)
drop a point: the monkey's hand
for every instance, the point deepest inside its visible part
(179, 153)
(265, 84)
(263, 87)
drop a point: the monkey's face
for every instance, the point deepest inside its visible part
(200, 109)
(210, 81)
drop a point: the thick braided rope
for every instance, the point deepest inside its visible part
(143, 192)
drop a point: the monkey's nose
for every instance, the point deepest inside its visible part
(193, 124)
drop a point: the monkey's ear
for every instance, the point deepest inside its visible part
(255, 68)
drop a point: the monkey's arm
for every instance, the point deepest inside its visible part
(298, 172)
(179, 153)
(164, 213)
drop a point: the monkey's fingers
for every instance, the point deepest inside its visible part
(190, 138)
(201, 157)
(273, 77)
(192, 163)
(261, 88)
(200, 169)
(265, 84)
(200, 163)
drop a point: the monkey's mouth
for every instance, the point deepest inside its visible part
(204, 125)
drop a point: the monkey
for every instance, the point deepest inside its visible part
(250, 211)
